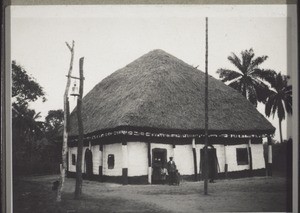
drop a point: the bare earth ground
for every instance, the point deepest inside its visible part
(34, 194)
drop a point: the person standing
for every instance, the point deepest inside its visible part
(164, 173)
(171, 171)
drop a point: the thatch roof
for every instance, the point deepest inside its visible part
(161, 91)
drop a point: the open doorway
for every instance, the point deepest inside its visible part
(159, 160)
(213, 165)
(88, 163)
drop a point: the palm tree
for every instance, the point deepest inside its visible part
(248, 79)
(280, 98)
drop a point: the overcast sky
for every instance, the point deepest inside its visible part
(110, 37)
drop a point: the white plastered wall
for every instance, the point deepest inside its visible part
(116, 150)
(221, 156)
(96, 159)
(71, 151)
(137, 158)
(231, 158)
(184, 159)
(258, 161)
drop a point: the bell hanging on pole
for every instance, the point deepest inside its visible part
(75, 91)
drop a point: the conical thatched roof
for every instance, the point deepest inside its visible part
(160, 91)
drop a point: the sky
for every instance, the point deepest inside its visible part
(110, 37)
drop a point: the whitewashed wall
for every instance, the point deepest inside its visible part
(72, 150)
(96, 159)
(231, 158)
(116, 150)
(221, 156)
(183, 157)
(137, 158)
(258, 161)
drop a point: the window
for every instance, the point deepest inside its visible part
(110, 161)
(242, 156)
(73, 159)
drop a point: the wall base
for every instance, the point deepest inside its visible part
(144, 178)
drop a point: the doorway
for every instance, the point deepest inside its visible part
(88, 163)
(213, 165)
(159, 161)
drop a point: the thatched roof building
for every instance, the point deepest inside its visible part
(153, 109)
(160, 93)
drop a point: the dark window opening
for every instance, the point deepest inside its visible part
(111, 161)
(73, 159)
(242, 156)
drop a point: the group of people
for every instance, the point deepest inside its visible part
(171, 171)
(174, 176)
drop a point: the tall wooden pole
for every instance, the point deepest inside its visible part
(206, 110)
(65, 134)
(78, 186)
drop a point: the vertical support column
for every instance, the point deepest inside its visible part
(269, 164)
(125, 163)
(250, 157)
(173, 155)
(101, 162)
(226, 163)
(195, 159)
(90, 146)
(67, 172)
(149, 164)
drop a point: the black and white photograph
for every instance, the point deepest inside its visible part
(153, 108)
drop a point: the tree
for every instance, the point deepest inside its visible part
(280, 98)
(248, 79)
(24, 87)
(54, 120)
(25, 127)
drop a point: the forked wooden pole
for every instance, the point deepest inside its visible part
(65, 134)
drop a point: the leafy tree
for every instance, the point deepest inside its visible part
(280, 99)
(24, 87)
(53, 121)
(248, 78)
(25, 127)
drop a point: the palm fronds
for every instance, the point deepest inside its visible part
(248, 79)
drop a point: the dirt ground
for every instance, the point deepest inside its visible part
(258, 194)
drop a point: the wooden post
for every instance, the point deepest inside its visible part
(149, 164)
(78, 186)
(250, 158)
(206, 111)
(101, 162)
(125, 163)
(195, 159)
(65, 134)
(173, 155)
(226, 163)
(269, 164)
